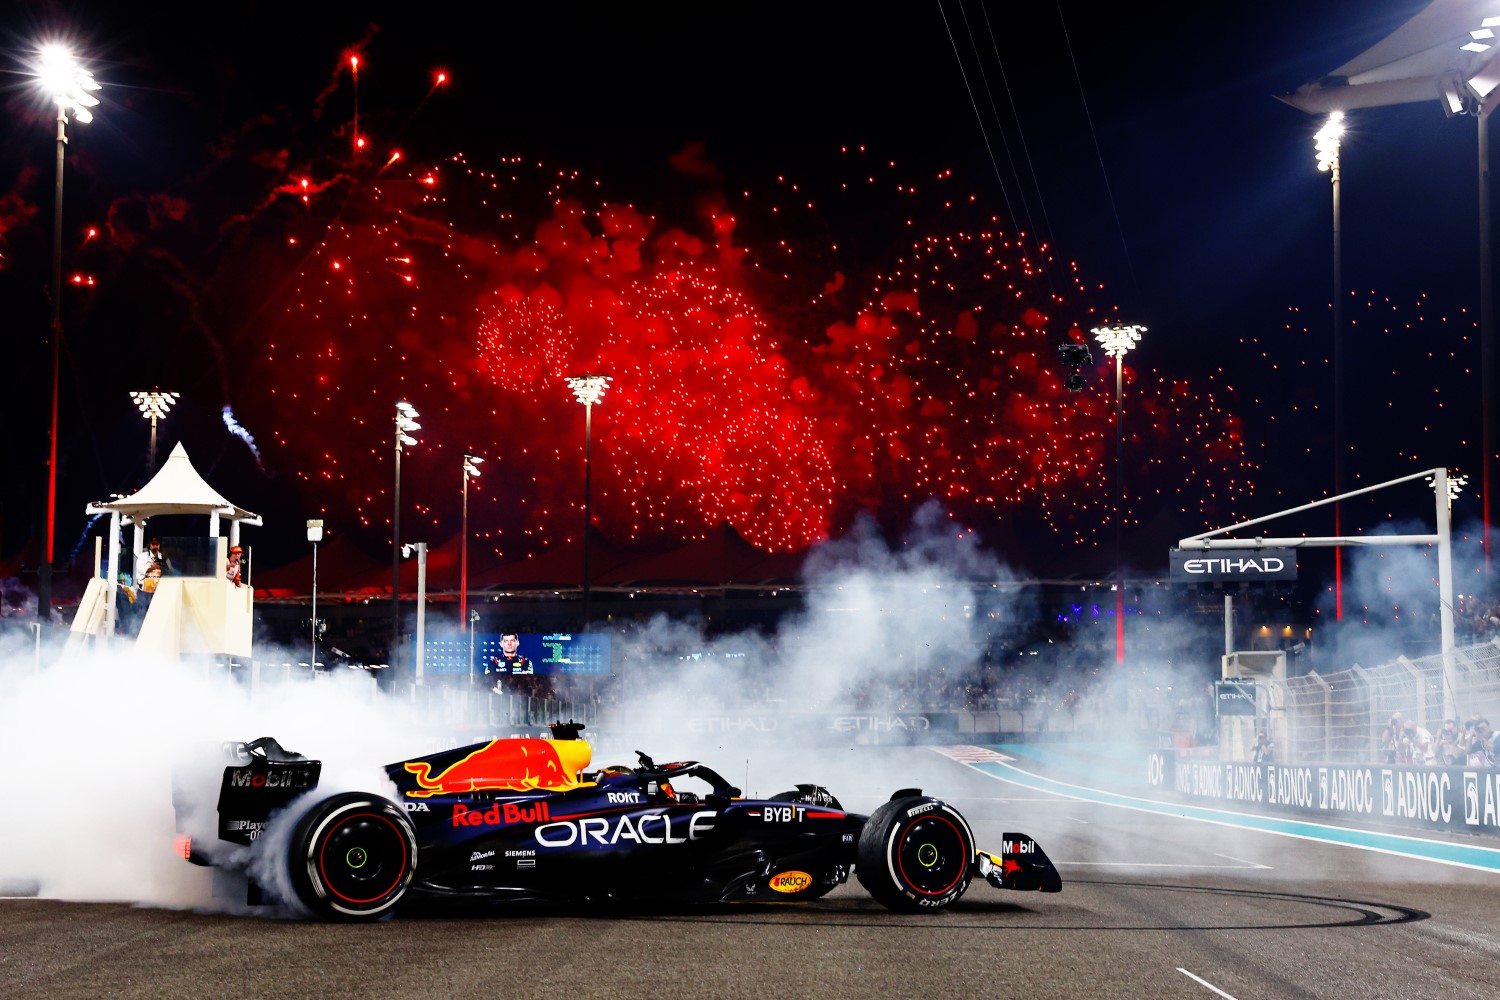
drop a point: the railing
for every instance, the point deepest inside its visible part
(1342, 717)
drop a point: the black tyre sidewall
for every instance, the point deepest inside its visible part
(322, 822)
(878, 869)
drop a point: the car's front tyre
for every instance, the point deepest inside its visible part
(916, 854)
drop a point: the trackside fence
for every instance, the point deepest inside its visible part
(1342, 717)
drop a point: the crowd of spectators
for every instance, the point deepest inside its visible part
(1481, 619)
(1472, 742)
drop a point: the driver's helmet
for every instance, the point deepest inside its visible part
(613, 769)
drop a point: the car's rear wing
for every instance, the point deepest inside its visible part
(264, 777)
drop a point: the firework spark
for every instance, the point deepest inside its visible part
(778, 381)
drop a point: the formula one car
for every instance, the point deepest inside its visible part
(524, 819)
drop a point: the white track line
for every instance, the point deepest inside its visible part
(1152, 864)
(1204, 983)
(1252, 864)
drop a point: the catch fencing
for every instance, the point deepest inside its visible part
(1342, 717)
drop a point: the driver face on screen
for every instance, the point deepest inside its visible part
(508, 643)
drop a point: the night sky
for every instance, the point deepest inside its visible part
(824, 285)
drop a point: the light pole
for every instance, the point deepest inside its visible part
(420, 549)
(1116, 340)
(406, 422)
(1326, 141)
(471, 471)
(473, 623)
(588, 389)
(154, 406)
(68, 85)
(314, 535)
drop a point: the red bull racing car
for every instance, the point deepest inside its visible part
(525, 819)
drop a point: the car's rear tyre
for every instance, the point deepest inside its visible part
(916, 854)
(352, 857)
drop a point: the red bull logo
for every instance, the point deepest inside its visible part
(520, 765)
(501, 814)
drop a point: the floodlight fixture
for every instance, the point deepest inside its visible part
(1456, 486)
(1116, 340)
(67, 83)
(1326, 141)
(155, 403)
(588, 389)
(154, 406)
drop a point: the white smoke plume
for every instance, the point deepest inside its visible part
(92, 741)
(238, 430)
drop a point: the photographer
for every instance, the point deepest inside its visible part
(1419, 746)
(1478, 744)
(1450, 747)
(1393, 741)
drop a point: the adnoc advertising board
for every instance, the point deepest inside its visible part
(1458, 799)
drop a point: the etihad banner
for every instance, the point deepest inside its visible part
(1431, 798)
(1232, 565)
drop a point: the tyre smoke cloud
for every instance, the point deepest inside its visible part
(94, 739)
(1392, 601)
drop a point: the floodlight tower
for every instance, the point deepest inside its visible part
(69, 86)
(1327, 141)
(1116, 340)
(588, 389)
(406, 422)
(471, 471)
(314, 535)
(154, 406)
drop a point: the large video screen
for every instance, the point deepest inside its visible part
(546, 653)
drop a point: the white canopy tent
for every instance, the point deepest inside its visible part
(177, 488)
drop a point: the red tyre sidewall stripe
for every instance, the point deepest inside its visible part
(901, 833)
(323, 847)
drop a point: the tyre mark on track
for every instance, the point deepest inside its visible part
(1355, 913)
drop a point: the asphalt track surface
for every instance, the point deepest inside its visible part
(1153, 906)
